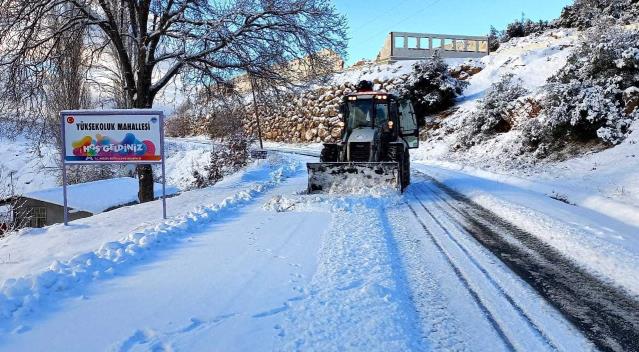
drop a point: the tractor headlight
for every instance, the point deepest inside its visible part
(390, 124)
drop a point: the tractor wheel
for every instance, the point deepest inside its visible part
(406, 169)
(400, 157)
(329, 154)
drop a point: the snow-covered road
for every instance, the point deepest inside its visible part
(267, 267)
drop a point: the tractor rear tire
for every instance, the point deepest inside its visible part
(406, 169)
(403, 160)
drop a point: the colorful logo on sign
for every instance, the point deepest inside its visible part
(103, 148)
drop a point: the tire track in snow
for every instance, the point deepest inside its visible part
(462, 278)
(518, 308)
(605, 314)
(439, 325)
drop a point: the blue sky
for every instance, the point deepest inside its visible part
(370, 21)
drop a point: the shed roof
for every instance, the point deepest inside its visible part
(97, 196)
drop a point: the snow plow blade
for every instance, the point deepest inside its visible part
(352, 177)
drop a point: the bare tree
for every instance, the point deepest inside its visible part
(10, 205)
(153, 41)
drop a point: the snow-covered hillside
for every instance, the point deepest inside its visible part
(592, 179)
(531, 61)
(605, 181)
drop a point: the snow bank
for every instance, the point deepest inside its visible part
(605, 182)
(185, 155)
(312, 149)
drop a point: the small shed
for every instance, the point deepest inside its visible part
(46, 207)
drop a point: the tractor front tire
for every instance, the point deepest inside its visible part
(330, 153)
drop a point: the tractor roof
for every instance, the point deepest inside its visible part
(371, 94)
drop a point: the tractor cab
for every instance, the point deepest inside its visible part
(390, 118)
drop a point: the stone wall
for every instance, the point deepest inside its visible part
(311, 116)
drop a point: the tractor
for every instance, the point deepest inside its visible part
(378, 129)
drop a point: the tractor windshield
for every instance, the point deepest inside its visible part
(366, 113)
(360, 114)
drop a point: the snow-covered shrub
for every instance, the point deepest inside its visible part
(523, 28)
(238, 150)
(494, 38)
(226, 158)
(494, 112)
(431, 88)
(224, 124)
(516, 29)
(587, 13)
(588, 99)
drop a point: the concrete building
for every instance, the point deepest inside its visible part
(414, 46)
(46, 207)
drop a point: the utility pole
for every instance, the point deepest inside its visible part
(11, 180)
(257, 116)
